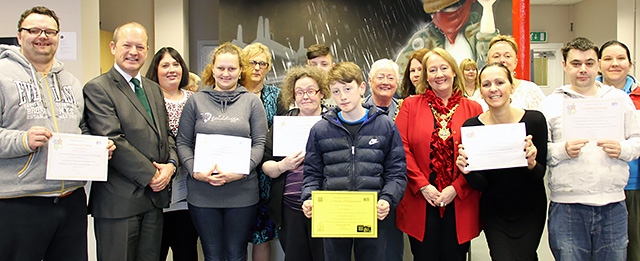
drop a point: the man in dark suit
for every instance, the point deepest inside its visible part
(129, 109)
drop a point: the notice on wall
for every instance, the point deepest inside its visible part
(67, 47)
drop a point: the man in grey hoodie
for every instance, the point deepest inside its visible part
(41, 219)
(586, 180)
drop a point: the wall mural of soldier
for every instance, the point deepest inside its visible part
(456, 28)
(363, 31)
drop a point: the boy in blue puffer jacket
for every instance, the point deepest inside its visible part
(354, 148)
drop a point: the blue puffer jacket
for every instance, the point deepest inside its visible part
(374, 161)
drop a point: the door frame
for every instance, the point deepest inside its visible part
(554, 66)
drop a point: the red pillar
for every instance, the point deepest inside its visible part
(521, 30)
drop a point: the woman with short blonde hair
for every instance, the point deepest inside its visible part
(504, 49)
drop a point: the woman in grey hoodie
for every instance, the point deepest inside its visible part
(222, 204)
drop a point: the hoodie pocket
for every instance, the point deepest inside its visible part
(23, 172)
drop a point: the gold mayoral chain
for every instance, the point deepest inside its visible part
(395, 115)
(443, 120)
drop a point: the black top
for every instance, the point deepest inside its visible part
(510, 192)
(513, 204)
(352, 127)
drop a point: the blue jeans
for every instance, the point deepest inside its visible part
(579, 232)
(224, 232)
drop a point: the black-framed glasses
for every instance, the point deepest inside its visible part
(307, 92)
(261, 64)
(37, 31)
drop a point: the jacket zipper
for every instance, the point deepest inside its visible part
(53, 106)
(26, 165)
(353, 146)
(353, 166)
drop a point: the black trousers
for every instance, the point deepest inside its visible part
(440, 240)
(364, 249)
(295, 237)
(179, 234)
(44, 228)
(395, 239)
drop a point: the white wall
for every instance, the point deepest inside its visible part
(598, 20)
(601, 21)
(553, 19)
(627, 29)
(171, 26)
(90, 40)
(595, 19)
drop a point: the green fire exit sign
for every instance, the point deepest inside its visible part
(538, 37)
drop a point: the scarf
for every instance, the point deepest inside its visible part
(627, 85)
(442, 150)
(450, 23)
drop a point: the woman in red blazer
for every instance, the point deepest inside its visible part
(439, 211)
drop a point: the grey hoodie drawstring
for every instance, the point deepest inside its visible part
(223, 103)
(36, 82)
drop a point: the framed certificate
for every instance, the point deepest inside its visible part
(344, 214)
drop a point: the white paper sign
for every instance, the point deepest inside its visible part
(67, 47)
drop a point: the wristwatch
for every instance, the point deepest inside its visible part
(175, 165)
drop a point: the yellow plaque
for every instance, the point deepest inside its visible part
(344, 214)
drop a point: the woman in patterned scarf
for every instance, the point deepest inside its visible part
(257, 57)
(439, 211)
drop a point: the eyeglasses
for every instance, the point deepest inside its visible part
(308, 93)
(37, 31)
(262, 64)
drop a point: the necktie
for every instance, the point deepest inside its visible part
(142, 96)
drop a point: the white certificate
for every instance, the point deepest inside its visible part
(179, 187)
(290, 133)
(77, 157)
(593, 119)
(231, 153)
(495, 146)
